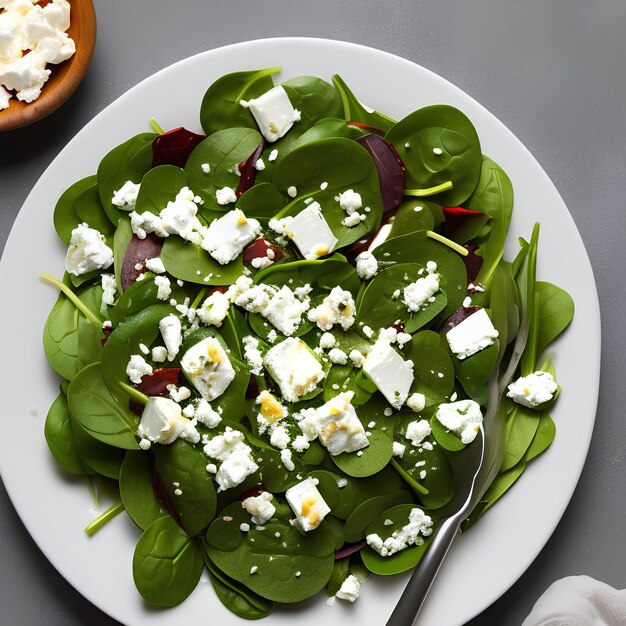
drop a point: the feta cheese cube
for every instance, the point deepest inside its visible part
(235, 455)
(162, 422)
(294, 367)
(336, 308)
(417, 431)
(273, 113)
(172, 333)
(390, 372)
(87, 251)
(350, 589)
(159, 354)
(336, 424)
(205, 413)
(533, 390)
(307, 503)
(462, 418)
(260, 507)
(398, 449)
(473, 334)
(228, 235)
(126, 196)
(311, 232)
(208, 368)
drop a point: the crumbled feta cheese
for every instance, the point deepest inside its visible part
(286, 458)
(294, 367)
(350, 201)
(159, 354)
(274, 113)
(349, 589)
(206, 168)
(87, 251)
(311, 232)
(462, 418)
(368, 332)
(366, 265)
(473, 334)
(179, 216)
(398, 449)
(417, 295)
(292, 192)
(271, 410)
(126, 196)
(137, 368)
(402, 338)
(338, 356)
(272, 336)
(225, 195)
(327, 341)
(336, 308)
(205, 413)
(336, 424)
(416, 402)
(300, 443)
(419, 524)
(228, 235)
(178, 394)
(260, 507)
(273, 155)
(357, 358)
(155, 265)
(261, 262)
(533, 390)
(214, 309)
(237, 463)
(252, 355)
(171, 331)
(164, 288)
(352, 220)
(417, 431)
(307, 503)
(208, 368)
(109, 288)
(280, 437)
(162, 422)
(389, 371)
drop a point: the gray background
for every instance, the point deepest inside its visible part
(553, 71)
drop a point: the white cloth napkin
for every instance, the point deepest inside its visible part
(579, 601)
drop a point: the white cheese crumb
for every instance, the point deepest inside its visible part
(473, 334)
(416, 402)
(366, 265)
(349, 589)
(225, 195)
(463, 418)
(87, 251)
(137, 368)
(533, 390)
(419, 524)
(417, 431)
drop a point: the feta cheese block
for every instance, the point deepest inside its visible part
(311, 232)
(273, 112)
(390, 372)
(284, 310)
(463, 418)
(208, 368)
(473, 334)
(295, 368)
(162, 422)
(532, 390)
(336, 308)
(260, 507)
(336, 424)
(307, 503)
(350, 589)
(366, 265)
(420, 525)
(227, 236)
(87, 251)
(214, 309)
(235, 456)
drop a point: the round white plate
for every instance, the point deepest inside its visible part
(483, 564)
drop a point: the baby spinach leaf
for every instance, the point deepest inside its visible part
(167, 563)
(221, 108)
(70, 340)
(158, 187)
(444, 437)
(401, 561)
(544, 436)
(223, 151)
(129, 161)
(374, 457)
(261, 201)
(235, 596)
(415, 214)
(95, 408)
(337, 578)
(556, 309)
(325, 129)
(97, 457)
(60, 438)
(77, 204)
(328, 487)
(237, 554)
(137, 491)
(437, 144)
(182, 468)
(519, 431)
(382, 303)
(121, 239)
(354, 111)
(473, 373)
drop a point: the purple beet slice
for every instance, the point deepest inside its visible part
(391, 170)
(258, 250)
(349, 550)
(156, 384)
(473, 263)
(457, 317)
(174, 147)
(137, 253)
(248, 170)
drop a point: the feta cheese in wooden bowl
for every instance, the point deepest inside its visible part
(45, 50)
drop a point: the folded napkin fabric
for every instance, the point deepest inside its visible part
(579, 601)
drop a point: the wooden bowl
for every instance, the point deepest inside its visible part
(65, 77)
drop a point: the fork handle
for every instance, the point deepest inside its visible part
(412, 599)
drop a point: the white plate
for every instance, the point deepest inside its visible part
(482, 564)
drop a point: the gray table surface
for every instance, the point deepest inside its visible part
(553, 71)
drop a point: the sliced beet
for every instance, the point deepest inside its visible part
(349, 550)
(155, 384)
(258, 250)
(391, 170)
(137, 253)
(473, 262)
(253, 492)
(219, 288)
(398, 327)
(248, 171)
(253, 388)
(174, 147)
(369, 127)
(463, 224)
(457, 317)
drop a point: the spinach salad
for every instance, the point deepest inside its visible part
(273, 338)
